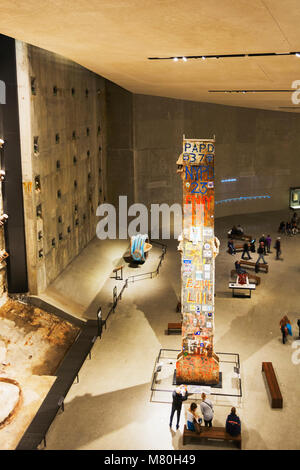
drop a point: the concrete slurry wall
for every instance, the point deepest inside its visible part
(120, 169)
(259, 148)
(62, 114)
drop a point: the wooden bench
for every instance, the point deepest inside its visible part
(240, 237)
(116, 272)
(251, 276)
(174, 328)
(218, 433)
(235, 286)
(251, 263)
(275, 393)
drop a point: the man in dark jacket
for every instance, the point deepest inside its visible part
(260, 251)
(179, 395)
(233, 423)
(246, 251)
(278, 248)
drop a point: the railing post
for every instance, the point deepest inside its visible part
(115, 298)
(99, 321)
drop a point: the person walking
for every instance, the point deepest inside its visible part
(178, 396)
(207, 410)
(262, 241)
(261, 251)
(233, 423)
(283, 328)
(268, 243)
(192, 419)
(278, 248)
(246, 251)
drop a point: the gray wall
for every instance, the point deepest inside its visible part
(260, 148)
(120, 170)
(65, 228)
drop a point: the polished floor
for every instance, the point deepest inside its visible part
(110, 407)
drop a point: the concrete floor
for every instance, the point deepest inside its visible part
(110, 407)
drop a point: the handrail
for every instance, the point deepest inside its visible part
(133, 278)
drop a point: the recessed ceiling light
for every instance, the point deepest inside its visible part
(203, 57)
(297, 54)
(175, 59)
(184, 58)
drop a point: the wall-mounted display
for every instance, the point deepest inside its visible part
(295, 198)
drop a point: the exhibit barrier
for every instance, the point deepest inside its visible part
(162, 384)
(135, 278)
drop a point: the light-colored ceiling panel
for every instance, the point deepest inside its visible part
(115, 37)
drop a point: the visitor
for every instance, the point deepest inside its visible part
(294, 219)
(233, 231)
(288, 325)
(281, 228)
(260, 251)
(233, 423)
(294, 228)
(268, 243)
(246, 250)
(283, 329)
(192, 419)
(207, 410)
(252, 245)
(263, 240)
(238, 268)
(288, 229)
(240, 230)
(278, 248)
(178, 396)
(231, 248)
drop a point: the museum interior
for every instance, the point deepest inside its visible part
(109, 112)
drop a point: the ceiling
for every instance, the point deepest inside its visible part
(114, 38)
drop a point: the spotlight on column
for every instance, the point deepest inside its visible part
(2, 175)
(1, 143)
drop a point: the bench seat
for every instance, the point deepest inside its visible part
(174, 328)
(251, 263)
(273, 387)
(218, 433)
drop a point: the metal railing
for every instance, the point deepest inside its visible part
(133, 278)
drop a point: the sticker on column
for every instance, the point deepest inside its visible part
(207, 253)
(206, 308)
(195, 235)
(208, 232)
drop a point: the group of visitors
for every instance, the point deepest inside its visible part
(291, 227)
(236, 230)
(193, 420)
(264, 248)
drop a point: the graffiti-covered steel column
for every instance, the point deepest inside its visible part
(197, 362)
